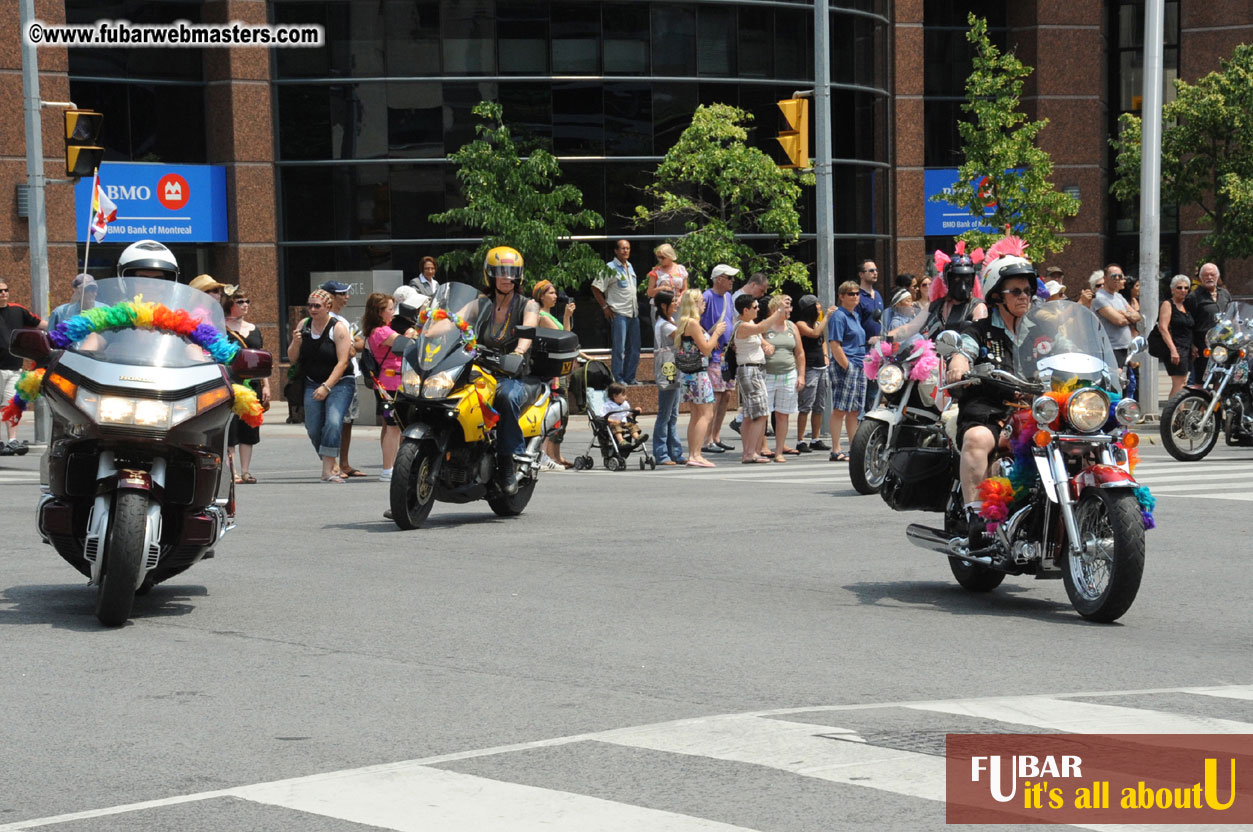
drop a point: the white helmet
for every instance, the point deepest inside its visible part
(147, 255)
(1005, 260)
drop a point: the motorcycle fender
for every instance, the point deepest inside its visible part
(417, 430)
(1103, 476)
(889, 416)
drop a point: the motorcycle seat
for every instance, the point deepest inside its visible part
(535, 388)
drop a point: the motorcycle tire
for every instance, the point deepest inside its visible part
(975, 577)
(1112, 521)
(412, 490)
(868, 457)
(123, 558)
(1186, 407)
(512, 506)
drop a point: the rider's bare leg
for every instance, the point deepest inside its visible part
(977, 445)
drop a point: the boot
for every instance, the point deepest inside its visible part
(977, 530)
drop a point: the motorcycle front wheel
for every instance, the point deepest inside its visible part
(412, 490)
(123, 558)
(1103, 580)
(868, 456)
(1180, 418)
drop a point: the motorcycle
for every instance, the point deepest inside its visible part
(906, 411)
(1223, 400)
(444, 406)
(133, 487)
(1065, 503)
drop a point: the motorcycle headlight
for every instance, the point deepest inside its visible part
(891, 378)
(1218, 355)
(410, 381)
(437, 386)
(1044, 410)
(1127, 412)
(144, 412)
(1088, 410)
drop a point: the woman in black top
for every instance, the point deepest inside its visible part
(323, 346)
(248, 335)
(1175, 324)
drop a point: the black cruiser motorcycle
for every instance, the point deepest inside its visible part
(134, 490)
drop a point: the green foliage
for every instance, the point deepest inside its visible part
(1000, 143)
(720, 188)
(1207, 154)
(517, 201)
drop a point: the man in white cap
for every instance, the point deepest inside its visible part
(719, 306)
(84, 297)
(1056, 290)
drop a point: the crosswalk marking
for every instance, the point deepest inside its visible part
(1069, 716)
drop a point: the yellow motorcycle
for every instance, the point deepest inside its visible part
(444, 406)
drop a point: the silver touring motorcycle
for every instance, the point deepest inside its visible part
(134, 487)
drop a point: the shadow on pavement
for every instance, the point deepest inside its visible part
(1006, 600)
(73, 606)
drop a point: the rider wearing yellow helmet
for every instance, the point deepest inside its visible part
(510, 309)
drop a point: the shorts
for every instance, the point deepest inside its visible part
(696, 388)
(781, 393)
(848, 387)
(816, 397)
(716, 378)
(354, 409)
(8, 385)
(384, 414)
(751, 384)
(975, 413)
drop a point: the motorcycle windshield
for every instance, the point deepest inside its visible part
(146, 347)
(1234, 327)
(453, 317)
(1066, 345)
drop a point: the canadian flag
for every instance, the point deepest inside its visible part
(103, 211)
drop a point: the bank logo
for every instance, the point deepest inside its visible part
(173, 192)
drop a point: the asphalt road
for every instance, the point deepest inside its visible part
(671, 650)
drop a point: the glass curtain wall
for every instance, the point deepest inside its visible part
(365, 125)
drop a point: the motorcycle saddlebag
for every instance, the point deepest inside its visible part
(553, 352)
(918, 479)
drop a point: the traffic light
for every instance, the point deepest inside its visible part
(82, 154)
(795, 139)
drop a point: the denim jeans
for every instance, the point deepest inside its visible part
(666, 444)
(324, 420)
(625, 334)
(510, 399)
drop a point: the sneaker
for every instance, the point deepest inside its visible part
(386, 476)
(713, 449)
(7, 450)
(819, 445)
(803, 447)
(387, 515)
(550, 465)
(19, 448)
(735, 425)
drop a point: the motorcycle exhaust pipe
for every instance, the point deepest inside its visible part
(937, 541)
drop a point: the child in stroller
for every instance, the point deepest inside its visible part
(614, 429)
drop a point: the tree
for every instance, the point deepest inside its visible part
(1207, 154)
(720, 189)
(1003, 165)
(517, 201)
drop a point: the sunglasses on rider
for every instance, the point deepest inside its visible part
(1019, 292)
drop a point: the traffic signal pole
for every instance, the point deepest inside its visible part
(37, 225)
(1151, 186)
(823, 192)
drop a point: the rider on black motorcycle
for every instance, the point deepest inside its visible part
(1010, 282)
(507, 310)
(955, 296)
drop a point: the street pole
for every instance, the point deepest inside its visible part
(37, 220)
(823, 194)
(1151, 186)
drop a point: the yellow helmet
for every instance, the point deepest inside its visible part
(502, 261)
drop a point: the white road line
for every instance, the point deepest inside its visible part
(1196, 475)
(1177, 488)
(420, 799)
(1244, 692)
(1069, 716)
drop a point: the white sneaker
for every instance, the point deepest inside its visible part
(386, 476)
(551, 465)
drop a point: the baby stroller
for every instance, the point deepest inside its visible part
(613, 454)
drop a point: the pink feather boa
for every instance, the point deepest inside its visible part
(927, 361)
(874, 358)
(923, 353)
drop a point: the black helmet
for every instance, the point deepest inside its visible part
(959, 277)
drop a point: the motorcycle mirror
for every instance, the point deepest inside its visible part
(947, 343)
(401, 344)
(1138, 345)
(878, 315)
(252, 364)
(30, 343)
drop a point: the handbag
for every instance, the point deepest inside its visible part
(1157, 345)
(688, 359)
(665, 371)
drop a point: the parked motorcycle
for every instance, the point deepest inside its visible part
(906, 412)
(444, 406)
(1065, 503)
(1223, 401)
(133, 486)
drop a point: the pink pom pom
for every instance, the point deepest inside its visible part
(941, 260)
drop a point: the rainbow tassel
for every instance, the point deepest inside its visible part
(996, 493)
(28, 388)
(247, 406)
(1147, 503)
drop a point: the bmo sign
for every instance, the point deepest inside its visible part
(169, 203)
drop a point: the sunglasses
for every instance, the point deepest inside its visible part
(242, 300)
(1018, 293)
(315, 306)
(1115, 276)
(849, 294)
(5, 290)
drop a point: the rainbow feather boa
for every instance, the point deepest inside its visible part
(139, 314)
(467, 332)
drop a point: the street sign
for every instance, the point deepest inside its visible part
(943, 219)
(168, 203)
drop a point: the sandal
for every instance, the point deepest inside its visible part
(334, 478)
(839, 456)
(778, 459)
(238, 479)
(248, 479)
(352, 472)
(754, 461)
(791, 451)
